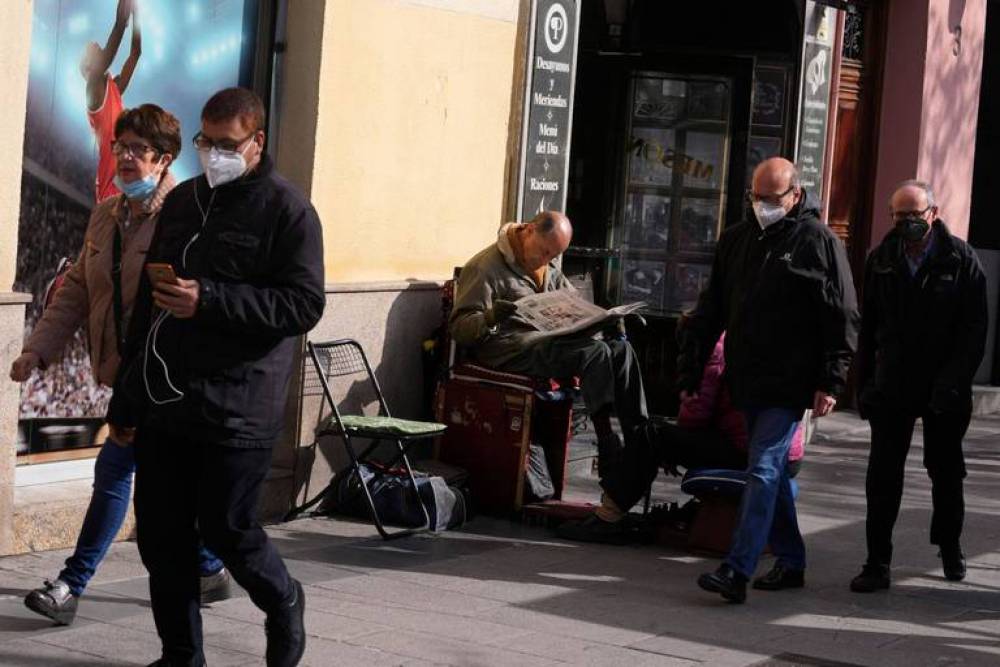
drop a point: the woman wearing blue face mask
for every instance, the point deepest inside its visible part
(99, 291)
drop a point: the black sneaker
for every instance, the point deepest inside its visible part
(780, 578)
(53, 601)
(594, 529)
(953, 563)
(216, 587)
(872, 578)
(286, 631)
(727, 582)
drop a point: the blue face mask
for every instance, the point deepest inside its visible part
(141, 189)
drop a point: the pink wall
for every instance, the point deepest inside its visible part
(951, 105)
(930, 102)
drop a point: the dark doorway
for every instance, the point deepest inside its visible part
(984, 233)
(674, 107)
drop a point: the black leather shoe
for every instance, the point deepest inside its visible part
(286, 631)
(727, 582)
(779, 578)
(953, 562)
(53, 600)
(594, 529)
(872, 578)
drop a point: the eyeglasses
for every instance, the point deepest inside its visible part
(752, 197)
(136, 150)
(903, 215)
(205, 144)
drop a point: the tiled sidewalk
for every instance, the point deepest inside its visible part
(499, 593)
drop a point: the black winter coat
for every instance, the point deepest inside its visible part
(922, 336)
(257, 253)
(786, 300)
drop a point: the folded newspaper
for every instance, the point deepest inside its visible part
(564, 312)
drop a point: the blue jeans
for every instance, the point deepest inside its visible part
(108, 506)
(767, 509)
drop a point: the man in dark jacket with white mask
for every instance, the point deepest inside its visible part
(205, 374)
(923, 331)
(781, 288)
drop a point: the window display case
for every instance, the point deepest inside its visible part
(673, 190)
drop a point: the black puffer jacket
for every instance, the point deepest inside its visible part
(258, 258)
(786, 299)
(922, 336)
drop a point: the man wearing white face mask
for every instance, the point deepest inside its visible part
(781, 287)
(205, 376)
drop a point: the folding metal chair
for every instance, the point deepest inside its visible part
(345, 358)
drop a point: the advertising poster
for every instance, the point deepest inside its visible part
(187, 49)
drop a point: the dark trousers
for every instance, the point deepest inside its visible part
(945, 464)
(184, 486)
(608, 371)
(667, 444)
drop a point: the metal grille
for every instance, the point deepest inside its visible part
(339, 359)
(854, 33)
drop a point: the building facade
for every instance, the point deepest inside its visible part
(418, 126)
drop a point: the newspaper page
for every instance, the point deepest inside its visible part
(564, 312)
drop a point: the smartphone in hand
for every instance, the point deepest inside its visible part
(161, 273)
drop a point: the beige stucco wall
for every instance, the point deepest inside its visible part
(407, 104)
(15, 35)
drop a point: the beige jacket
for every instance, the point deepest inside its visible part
(87, 293)
(491, 275)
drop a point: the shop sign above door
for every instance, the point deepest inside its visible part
(548, 107)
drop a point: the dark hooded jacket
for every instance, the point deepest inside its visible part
(786, 300)
(922, 335)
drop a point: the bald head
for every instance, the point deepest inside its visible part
(912, 195)
(774, 176)
(543, 238)
(913, 210)
(775, 190)
(553, 224)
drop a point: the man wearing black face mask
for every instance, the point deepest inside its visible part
(923, 331)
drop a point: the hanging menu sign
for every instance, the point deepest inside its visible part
(814, 94)
(548, 107)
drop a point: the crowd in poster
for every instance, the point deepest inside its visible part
(186, 50)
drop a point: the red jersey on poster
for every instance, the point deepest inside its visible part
(102, 121)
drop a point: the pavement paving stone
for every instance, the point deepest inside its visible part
(506, 593)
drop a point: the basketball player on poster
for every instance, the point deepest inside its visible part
(104, 92)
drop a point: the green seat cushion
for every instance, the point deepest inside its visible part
(384, 425)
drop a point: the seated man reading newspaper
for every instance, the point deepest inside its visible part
(516, 311)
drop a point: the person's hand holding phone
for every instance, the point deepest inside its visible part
(177, 296)
(180, 299)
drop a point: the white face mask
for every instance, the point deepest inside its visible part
(221, 167)
(768, 214)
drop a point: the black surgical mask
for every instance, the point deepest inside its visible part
(912, 229)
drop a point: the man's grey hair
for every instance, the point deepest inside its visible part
(916, 183)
